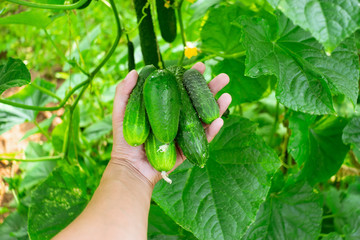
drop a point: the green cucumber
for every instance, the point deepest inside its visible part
(162, 103)
(162, 156)
(201, 96)
(191, 136)
(148, 43)
(136, 126)
(167, 19)
(131, 58)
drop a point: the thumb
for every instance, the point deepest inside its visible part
(122, 94)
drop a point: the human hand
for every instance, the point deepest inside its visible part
(135, 157)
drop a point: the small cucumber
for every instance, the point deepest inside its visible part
(191, 136)
(162, 156)
(162, 103)
(136, 126)
(201, 96)
(148, 42)
(167, 19)
(131, 57)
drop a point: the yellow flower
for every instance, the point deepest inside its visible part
(191, 1)
(167, 3)
(190, 50)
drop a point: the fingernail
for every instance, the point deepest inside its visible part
(130, 74)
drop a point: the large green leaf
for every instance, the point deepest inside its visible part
(330, 22)
(294, 213)
(36, 18)
(351, 133)
(307, 77)
(242, 88)
(218, 34)
(14, 227)
(13, 74)
(57, 202)
(318, 145)
(220, 201)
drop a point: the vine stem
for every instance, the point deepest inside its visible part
(49, 6)
(92, 75)
(276, 122)
(36, 108)
(42, 130)
(183, 37)
(113, 47)
(46, 91)
(223, 55)
(39, 159)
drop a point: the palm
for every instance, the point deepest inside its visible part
(122, 151)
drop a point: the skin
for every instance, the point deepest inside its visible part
(120, 206)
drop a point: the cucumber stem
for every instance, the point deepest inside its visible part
(165, 176)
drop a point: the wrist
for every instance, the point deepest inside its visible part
(122, 171)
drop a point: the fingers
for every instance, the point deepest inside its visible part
(224, 102)
(200, 67)
(214, 128)
(218, 83)
(122, 94)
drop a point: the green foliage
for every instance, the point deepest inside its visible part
(307, 77)
(209, 201)
(242, 88)
(322, 151)
(227, 37)
(14, 227)
(345, 208)
(330, 22)
(285, 165)
(296, 209)
(351, 133)
(13, 74)
(57, 201)
(33, 18)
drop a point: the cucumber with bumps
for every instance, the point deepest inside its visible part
(201, 96)
(191, 136)
(136, 127)
(162, 103)
(162, 156)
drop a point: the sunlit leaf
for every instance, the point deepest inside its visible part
(13, 74)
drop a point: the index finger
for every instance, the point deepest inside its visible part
(122, 94)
